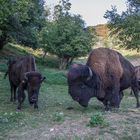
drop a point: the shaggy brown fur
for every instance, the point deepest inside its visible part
(106, 74)
(106, 64)
(24, 76)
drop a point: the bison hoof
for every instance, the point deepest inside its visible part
(107, 108)
(36, 106)
(18, 109)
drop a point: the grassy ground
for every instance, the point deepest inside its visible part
(54, 121)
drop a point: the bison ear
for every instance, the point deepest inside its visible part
(42, 79)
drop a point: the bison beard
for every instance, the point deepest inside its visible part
(105, 76)
(23, 76)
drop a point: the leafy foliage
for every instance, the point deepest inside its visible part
(97, 119)
(21, 21)
(66, 36)
(126, 27)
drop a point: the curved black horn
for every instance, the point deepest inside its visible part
(25, 75)
(90, 74)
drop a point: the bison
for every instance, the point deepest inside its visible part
(137, 72)
(106, 74)
(24, 76)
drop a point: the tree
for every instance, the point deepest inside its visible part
(21, 21)
(11, 14)
(126, 27)
(66, 36)
(29, 32)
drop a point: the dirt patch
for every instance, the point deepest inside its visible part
(122, 125)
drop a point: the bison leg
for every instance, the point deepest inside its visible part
(23, 97)
(107, 105)
(121, 96)
(115, 98)
(36, 105)
(20, 96)
(11, 89)
(136, 91)
(11, 99)
(15, 97)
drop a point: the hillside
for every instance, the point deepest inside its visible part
(102, 30)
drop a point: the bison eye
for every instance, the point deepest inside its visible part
(77, 99)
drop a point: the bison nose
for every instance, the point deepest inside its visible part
(84, 104)
(33, 99)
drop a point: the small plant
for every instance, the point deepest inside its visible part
(97, 119)
(9, 117)
(58, 117)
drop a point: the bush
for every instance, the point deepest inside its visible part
(58, 117)
(97, 119)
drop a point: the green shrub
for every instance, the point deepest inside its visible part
(97, 119)
(58, 117)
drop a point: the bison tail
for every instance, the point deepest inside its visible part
(5, 74)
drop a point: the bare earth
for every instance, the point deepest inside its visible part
(121, 126)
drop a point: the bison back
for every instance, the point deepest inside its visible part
(21, 66)
(105, 62)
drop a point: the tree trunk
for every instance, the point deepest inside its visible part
(44, 55)
(70, 61)
(63, 63)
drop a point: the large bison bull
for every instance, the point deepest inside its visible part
(106, 74)
(24, 76)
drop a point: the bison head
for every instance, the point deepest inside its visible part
(83, 83)
(33, 81)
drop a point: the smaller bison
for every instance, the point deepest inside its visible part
(106, 74)
(137, 72)
(24, 76)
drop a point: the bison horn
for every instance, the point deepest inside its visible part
(25, 75)
(90, 73)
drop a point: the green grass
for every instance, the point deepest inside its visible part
(53, 103)
(54, 120)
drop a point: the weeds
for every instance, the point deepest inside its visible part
(8, 117)
(97, 119)
(58, 117)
